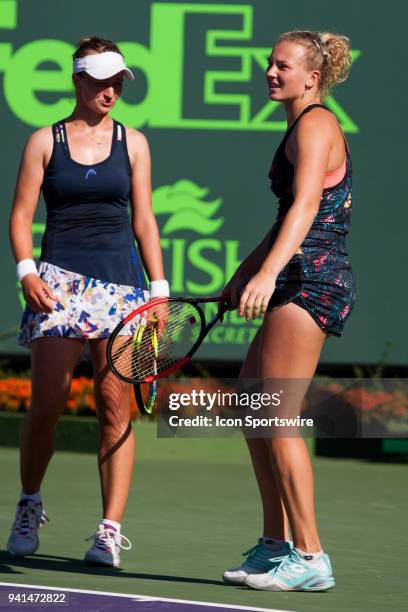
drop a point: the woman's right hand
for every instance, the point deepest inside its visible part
(232, 291)
(38, 294)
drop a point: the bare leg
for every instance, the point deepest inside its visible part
(291, 347)
(52, 364)
(117, 444)
(275, 521)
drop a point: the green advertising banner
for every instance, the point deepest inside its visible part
(200, 98)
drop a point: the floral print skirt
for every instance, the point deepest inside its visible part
(87, 309)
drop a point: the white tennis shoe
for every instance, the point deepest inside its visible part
(29, 517)
(106, 547)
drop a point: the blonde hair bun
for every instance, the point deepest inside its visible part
(327, 52)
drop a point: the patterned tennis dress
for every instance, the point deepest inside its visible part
(88, 254)
(318, 277)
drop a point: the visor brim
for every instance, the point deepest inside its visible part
(105, 73)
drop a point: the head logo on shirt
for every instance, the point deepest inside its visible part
(90, 173)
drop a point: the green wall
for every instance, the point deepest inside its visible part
(200, 98)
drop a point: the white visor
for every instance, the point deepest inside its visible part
(102, 65)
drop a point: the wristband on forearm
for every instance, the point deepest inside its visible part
(26, 266)
(159, 288)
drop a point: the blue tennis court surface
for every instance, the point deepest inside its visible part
(28, 597)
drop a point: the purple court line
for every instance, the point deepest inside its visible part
(99, 601)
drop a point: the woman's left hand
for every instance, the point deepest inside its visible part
(256, 295)
(160, 314)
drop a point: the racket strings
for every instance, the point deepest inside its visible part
(157, 341)
(147, 361)
(169, 336)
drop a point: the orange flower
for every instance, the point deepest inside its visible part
(14, 393)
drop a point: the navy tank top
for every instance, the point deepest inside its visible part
(88, 229)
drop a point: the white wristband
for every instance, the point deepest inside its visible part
(26, 266)
(159, 288)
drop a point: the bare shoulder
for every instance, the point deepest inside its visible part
(316, 130)
(40, 142)
(318, 122)
(137, 145)
(136, 140)
(40, 137)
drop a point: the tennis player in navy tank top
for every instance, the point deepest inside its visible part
(90, 276)
(299, 279)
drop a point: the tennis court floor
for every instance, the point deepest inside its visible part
(193, 509)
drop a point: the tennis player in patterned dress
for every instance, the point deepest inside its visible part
(299, 278)
(90, 276)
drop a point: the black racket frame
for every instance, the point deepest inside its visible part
(205, 329)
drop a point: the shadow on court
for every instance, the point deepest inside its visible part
(47, 563)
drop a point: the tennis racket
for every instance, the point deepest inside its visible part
(159, 338)
(145, 394)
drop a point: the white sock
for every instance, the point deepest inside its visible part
(113, 524)
(36, 497)
(309, 556)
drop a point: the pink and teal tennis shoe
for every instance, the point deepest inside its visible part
(294, 573)
(260, 559)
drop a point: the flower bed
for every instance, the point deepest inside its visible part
(382, 403)
(15, 396)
